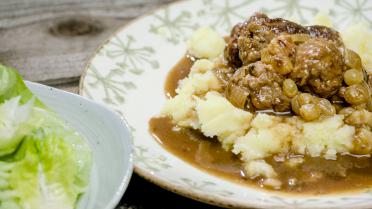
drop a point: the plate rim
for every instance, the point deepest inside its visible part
(148, 176)
(113, 34)
(200, 197)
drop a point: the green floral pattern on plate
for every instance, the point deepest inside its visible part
(223, 13)
(131, 58)
(114, 89)
(128, 58)
(174, 28)
(150, 162)
(294, 9)
(128, 72)
(352, 11)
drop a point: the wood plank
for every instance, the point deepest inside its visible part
(72, 87)
(50, 41)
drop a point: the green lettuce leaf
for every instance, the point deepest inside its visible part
(14, 124)
(12, 85)
(44, 163)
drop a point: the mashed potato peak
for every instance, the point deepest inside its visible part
(259, 168)
(266, 137)
(325, 138)
(181, 108)
(359, 38)
(218, 117)
(323, 18)
(206, 43)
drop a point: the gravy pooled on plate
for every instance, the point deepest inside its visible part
(276, 104)
(315, 176)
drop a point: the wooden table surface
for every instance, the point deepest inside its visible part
(50, 41)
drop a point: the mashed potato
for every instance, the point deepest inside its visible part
(322, 18)
(199, 104)
(199, 84)
(325, 137)
(266, 137)
(259, 168)
(200, 80)
(359, 38)
(218, 117)
(206, 43)
(181, 108)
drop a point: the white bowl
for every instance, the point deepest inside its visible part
(107, 134)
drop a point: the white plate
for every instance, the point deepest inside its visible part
(128, 72)
(108, 136)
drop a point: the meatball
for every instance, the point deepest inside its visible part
(247, 39)
(231, 52)
(319, 65)
(280, 54)
(275, 64)
(326, 33)
(264, 86)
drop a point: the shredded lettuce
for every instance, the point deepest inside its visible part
(44, 164)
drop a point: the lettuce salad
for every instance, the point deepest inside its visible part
(44, 164)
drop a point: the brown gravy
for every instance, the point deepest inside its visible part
(314, 176)
(180, 71)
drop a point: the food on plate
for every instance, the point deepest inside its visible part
(283, 106)
(44, 163)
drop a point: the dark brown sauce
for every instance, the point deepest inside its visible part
(179, 72)
(314, 176)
